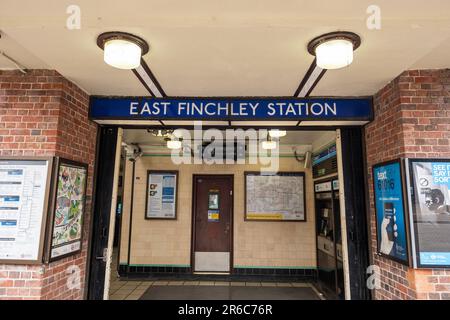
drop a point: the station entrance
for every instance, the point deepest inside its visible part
(229, 226)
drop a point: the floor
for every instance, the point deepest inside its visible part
(203, 290)
(135, 290)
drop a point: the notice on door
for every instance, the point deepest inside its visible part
(23, 185)
(161, 195)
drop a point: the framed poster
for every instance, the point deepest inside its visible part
(275, 197)
(390, 211)
(67, 214)
(161, 198)
(429, 181)
(24, 194)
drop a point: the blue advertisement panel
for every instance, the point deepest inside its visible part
(430, 199)
(392, 238)
(231, 108)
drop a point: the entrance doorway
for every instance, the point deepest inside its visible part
(210, 239)
(212, 223)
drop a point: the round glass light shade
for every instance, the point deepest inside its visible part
(173, 144)
(269, 145)
(334, 54)
(122, 54)
(275, 133)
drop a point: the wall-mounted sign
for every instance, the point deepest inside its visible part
(161, 195)
(68, 209)
(229, 108)
(430, 209)
(277, 197)
(392, 236)
(24, 193)
(213, 216)
(323, 186)
(335, 184)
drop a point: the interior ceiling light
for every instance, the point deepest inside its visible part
(174, 144)
(122, 50)
(275, 133)
(334, 50)
(269, 145)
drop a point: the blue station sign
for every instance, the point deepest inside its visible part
(261, 109)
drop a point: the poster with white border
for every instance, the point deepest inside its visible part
(430, 211)
(275, 197)
(23, 207)
(161, 195)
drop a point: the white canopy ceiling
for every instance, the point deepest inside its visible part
(227, 48)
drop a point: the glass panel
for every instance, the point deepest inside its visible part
(213, 200)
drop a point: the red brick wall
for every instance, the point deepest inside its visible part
(412, 119)
(43, 114)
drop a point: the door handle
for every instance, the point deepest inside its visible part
(227, 228)
(105, 255)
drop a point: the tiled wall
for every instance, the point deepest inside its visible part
(256, 244)
(412, 119)
(43, 114)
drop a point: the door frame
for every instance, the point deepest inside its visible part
(231, 234)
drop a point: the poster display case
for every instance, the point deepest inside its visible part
(68, 209)
(24, 194)
(429, 202)
(275, 197)
(161, 197)
(391, 211)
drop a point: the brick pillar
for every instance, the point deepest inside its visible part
(43, 114)
(412, 119)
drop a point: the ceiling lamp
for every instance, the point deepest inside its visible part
(174, 144)
(334, 50)
(275, 133)
(122, 50)
(269, 144)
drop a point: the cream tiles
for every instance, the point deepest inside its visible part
(256, 244)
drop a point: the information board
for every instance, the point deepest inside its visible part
(161, 195)
(430, 204)
(392, 237)
(278, 197)
(24, 187)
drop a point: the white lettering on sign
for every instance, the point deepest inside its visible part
(224, 109)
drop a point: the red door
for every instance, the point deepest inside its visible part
(213, 200)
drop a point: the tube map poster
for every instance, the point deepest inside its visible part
(69, 210)
(275, 197)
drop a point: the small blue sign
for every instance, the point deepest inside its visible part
(390, 212)
(357, 109)
(435, 258)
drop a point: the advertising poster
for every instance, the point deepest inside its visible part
(392, 238)
(23, 205)
(161, 195)
(430, 199)
(279, 197)
(69, 209)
